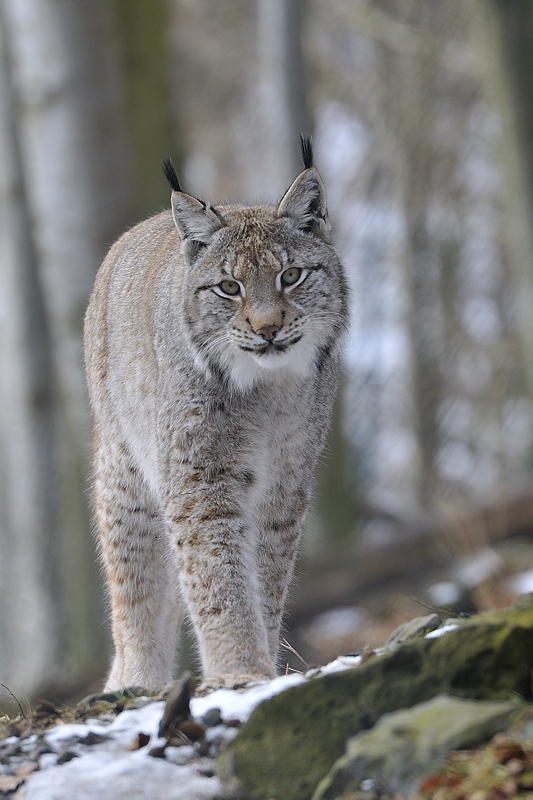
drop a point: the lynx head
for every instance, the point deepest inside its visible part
(265, 293)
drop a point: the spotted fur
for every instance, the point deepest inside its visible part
(212, 345)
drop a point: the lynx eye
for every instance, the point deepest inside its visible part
(231, 288)
(290, 276)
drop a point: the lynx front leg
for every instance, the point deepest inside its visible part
(280, 521)
(216, 552)
(146, 611)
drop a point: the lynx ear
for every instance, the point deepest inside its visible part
(305, 203)
(196, 222)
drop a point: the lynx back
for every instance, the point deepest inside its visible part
(212, 345)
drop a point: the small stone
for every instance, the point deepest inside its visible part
(415, 628)
(158, 752)
(233, 723)
(109, 697)
(92, 738)
(212, 717)
(202, 747)
(191, 729)
(179, 741)
(66, 756)
(177, 707)
(141, 740)
(132, 691)
(101, 697)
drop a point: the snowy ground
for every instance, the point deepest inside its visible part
(122, 757)
(95, 759)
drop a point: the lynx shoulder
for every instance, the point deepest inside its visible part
(212, 344)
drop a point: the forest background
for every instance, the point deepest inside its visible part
(422, 119)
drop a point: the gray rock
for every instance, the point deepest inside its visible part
(212, 718)
(416, 627)
(406, 745)
(176, 705)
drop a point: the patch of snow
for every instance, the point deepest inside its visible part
(9, 740)
(109, 771)
(180, 755)
(441, 631)
(339, 665)
(122, 730)
(522, 583)
(240, 704)
(68, 731)
(135, 776)
(219, 734)
(47, 760)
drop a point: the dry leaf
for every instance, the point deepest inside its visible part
(8, 783)
(24, 772)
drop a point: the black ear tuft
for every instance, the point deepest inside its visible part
(306, 146)
(170, 174)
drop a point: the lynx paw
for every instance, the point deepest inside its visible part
(213, 682)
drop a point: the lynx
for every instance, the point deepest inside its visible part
(212, 343)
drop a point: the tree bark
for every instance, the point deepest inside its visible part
(69, 194)
(281, 75)
(142, 26)
(27, 458)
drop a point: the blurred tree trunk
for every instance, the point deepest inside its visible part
(28, 559)
(143, 38)
(515, 18)
(505, 28)
(410, 82)
(283, 91)
(64, 201)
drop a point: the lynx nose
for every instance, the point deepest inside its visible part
(268, 332)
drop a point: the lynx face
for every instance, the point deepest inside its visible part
(261, 293)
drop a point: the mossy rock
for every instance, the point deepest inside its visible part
(291, 741)
(405, 745)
